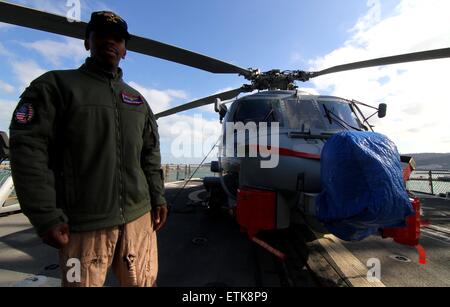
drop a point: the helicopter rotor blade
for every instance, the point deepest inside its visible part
(35, 19)
(397, 59)
(203, 101)
(183, 56)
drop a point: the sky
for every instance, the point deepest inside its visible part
(264, 34)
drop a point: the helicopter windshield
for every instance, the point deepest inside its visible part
(256, 111)
(303, 115)
(339, 115)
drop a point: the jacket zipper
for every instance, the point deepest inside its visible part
(118, 151)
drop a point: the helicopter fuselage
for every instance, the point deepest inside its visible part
(288, 129)
(304, 123)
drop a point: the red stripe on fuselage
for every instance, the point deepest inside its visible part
(287, 152)
(298, 154)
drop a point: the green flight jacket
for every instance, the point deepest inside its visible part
(85, 150)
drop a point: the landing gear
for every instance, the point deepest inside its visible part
(222, 191)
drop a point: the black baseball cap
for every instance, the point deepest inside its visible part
(106, 21)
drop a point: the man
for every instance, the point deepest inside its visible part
(86, 164)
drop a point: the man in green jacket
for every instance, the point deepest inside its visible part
(86, 164)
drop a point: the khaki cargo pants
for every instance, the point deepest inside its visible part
(131, 251)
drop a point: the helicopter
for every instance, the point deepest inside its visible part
(304, 123)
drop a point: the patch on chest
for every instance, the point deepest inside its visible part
(132, 99)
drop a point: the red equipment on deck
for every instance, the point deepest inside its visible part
(256, 210)
(410, 234)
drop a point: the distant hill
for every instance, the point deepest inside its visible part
(432, 161)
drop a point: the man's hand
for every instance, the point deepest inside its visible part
(57, 237)
(159, 217)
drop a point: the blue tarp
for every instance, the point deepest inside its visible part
(362, 186)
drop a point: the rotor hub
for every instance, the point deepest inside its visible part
(276, 79)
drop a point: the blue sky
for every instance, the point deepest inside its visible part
(265, 34)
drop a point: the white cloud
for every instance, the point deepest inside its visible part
(4, 51)
(26, 71)
(187, 138)
(51, 6)
(225, 89)
(177, 94)
(209, 109)
(174, 125)
(6, 110)
(55, 52)
(191, 135)
(5, 25)
(372, 17)
(194, 131)
(61, 7)
(89, 6)
(309, 90)
(416, 93)
(158, 100)
(296, 57)
(5, 87)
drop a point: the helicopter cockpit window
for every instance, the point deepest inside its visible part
(339, 115)
(303, 115)
(256, 111)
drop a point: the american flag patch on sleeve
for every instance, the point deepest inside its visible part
(24, 114)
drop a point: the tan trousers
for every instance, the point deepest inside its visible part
(130, 249)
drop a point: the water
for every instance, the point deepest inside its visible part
(423, 186)
(422, 182)
(4, 174)
(202, 172)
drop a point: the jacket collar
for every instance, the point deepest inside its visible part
(91, 66)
